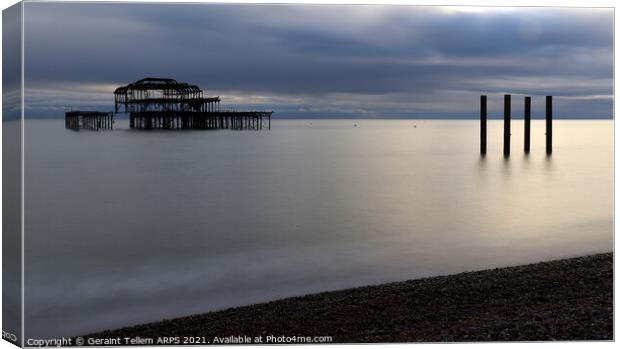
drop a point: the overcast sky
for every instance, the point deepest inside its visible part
(324, 61)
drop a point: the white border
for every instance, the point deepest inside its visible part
(490, 3)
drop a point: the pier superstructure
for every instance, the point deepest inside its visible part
(157, 103)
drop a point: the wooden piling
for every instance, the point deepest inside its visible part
(527, 118)
(549, 124)
(483, 125)
(506, 125)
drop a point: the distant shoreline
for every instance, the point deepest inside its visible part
(568, 299)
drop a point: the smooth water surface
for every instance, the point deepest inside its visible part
(129, 226)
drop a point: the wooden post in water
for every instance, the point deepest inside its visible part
(483, 125)
(527, 116)
(549, 125)
(506, 125)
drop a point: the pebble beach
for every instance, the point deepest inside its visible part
(568, 299)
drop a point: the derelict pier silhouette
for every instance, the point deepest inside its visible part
(157, 103)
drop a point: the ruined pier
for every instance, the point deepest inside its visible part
(202, 120)
(89, 120)
(156, 103)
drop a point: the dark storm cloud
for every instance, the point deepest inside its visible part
(373, 61)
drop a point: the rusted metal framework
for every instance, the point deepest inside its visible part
(89, 120)
(156, 94)
(156, 103)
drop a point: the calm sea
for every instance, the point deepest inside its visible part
(125, 227)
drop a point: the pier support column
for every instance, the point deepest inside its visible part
(506, 125)
(549, 124)
(527, 118)
(483, 125)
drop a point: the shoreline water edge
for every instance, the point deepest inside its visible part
(567, 299)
